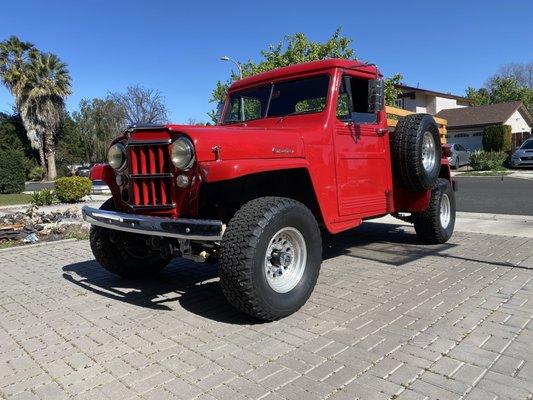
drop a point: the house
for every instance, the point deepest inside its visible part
(466, 125)
(427, 101)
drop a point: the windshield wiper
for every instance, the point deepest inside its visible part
(297, 113)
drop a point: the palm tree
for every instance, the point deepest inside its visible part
(43, 90)
(39, 82)
(14, 57)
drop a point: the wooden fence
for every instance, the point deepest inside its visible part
(398, 112)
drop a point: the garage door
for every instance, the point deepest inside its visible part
(472, 141)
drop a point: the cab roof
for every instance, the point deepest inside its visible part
(304, 68)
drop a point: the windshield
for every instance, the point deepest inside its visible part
(279, 99)
(528, 145)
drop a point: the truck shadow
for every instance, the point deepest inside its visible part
(195, 286)
(390, 244)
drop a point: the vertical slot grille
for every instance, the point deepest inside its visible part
(150, 176)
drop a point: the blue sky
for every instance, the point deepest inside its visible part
(175, 46)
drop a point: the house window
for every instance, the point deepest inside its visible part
(478, 134)
(462, 135)
(398, 103)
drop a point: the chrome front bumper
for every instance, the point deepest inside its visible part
(192, 229)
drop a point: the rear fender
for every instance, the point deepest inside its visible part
(407, 201)
(445, 170)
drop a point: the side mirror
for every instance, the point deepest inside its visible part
(376, 95)
(220, 107)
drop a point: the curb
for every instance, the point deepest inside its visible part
(495, 217)
(42, 244)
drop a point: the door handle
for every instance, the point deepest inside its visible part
(381, 131)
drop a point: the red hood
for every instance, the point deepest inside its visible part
(239, 142)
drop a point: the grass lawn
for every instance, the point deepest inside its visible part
(16, 198)
(484, 173)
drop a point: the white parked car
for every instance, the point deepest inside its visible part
(523, 156)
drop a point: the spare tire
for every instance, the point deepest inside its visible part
(416, 152)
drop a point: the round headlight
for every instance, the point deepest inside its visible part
(116, 156)
(182, 153)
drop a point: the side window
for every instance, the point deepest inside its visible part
(359, 88)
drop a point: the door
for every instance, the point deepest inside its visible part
(362, 178)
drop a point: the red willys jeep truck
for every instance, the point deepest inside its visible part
(296, 150)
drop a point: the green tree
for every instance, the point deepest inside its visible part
(478, 97)
(45, 87)
(14, 59)
(13, 137)
(39, 83)
(501, 90)
(391, 91)
(71, 148)
(293, 49)
(98, 122)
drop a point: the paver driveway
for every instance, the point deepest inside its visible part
(389, 319)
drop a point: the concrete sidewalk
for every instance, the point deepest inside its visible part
(492, 224)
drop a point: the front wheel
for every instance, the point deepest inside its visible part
(270, 257)
(128, 255)
(435, 225)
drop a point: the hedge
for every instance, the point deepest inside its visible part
(72, 188)
(487, 161)
(497, 138)
(12, 175)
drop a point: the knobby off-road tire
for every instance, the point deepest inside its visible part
(416, 152)
(435, 225)
(125, 254)
(263, 228)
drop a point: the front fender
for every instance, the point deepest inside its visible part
(215, 171)
(104, 172)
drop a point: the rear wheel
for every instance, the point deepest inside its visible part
(435, 225)
(126, 254)
(270, 257)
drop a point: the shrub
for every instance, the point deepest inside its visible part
(36, 173)
(487, 161)
(12, 175)
(43, 197)
(497, 138)
(72, 188)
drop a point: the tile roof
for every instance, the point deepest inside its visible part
(490, 114)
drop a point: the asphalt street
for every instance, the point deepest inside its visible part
(495, 195)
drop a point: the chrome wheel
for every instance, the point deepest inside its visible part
(285, 259)
(429, 152)
(445, 211)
